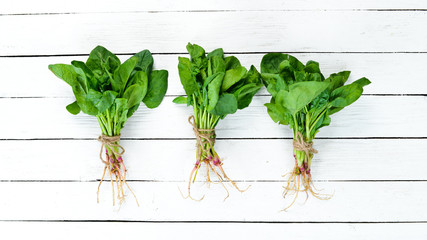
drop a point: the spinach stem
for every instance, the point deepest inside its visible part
(317, 119)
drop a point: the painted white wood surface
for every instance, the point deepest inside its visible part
(255, 31)
(81, 6)
(370, 116)
(212, 231)
(162, 201)
(390, 72)
(372, 156)
(268, 160)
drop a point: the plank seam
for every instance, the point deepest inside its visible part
(238, 222)
(223, 11)
(235, 53)
(189, 138)
(201, 181)
(257, 95)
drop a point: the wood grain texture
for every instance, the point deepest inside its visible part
(339, 31)
(80, 6)
(172, 160)
(371, 157)
(376, 67)
(47, 118)
(213, 231)
(161, 201)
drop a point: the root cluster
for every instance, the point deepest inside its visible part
(214, 165)
(115, 167)
(299, 180)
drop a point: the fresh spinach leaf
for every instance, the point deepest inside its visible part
(303, 99)
(216, 86)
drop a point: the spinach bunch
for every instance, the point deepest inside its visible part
(304, 99)
(112, 91)
(215, 86)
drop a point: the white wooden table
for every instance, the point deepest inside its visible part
(373, 156)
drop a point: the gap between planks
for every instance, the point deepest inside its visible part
(259, 95)
(219, 11)
(210, 221)
(235, 53)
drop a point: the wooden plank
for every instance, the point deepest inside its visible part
(386, 79)
(95, 230)
(370, 116)
(245, 160)
(80, 6)
(301, 31)
(161, 201)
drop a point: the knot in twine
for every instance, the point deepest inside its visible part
(111, 142)
(301, 145)
(202, 134)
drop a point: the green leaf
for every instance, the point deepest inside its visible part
(333, 110)
(299, 95)
(91, 81)
(134, 94)
(227, 104)
(82, 65)
(106, 101)
(300, 76)
(104, 87)
(180, 100)
(73, 108)
(157, 87)
(215, 83)
(232, 76)
(81, 79)
(209, 79)
(326, 121)
(362, 82)
(337, 80)
(88, 104)
(245, 94)
(195, 51)
(274, 83)
(93, 96)
(64, 72)
(318, 77)
(121, 111)
(278, 113)
(213, 90)
(99, 56)
(346, 95)
(145, 61)
(185, 74)
(253, 76)
(132, 110)
(141, 78)
(217, 64)
(312, 67)
(296, 64)
(122, 74)
(231, 62)
(271, 61)
(217, 52)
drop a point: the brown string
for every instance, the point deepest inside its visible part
(301, 145)
(111, 142)
(202, 134)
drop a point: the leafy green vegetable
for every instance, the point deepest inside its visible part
(215, 86)
(303, 99)
(112, 91)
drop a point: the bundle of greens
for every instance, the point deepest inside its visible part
(303, 99)
(215, 86)
(112, 91)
